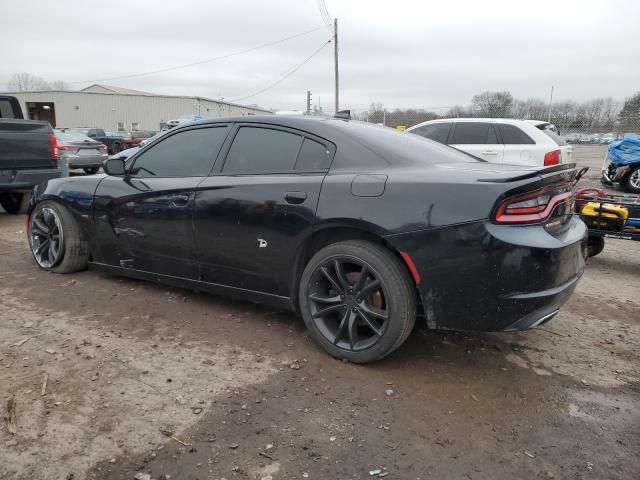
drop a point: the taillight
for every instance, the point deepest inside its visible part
(53, 143)
(64, 148)
(552, 158)
(530, 208)
(102, 148)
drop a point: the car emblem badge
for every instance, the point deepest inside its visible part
(262, 243)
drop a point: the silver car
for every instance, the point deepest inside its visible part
(80, 151)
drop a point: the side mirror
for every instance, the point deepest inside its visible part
(114, 167)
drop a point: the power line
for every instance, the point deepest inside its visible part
(285, 76)
(201, 61)
(324, 13)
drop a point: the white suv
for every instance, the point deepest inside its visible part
(499, 140)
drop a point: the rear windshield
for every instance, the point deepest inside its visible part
(554, 136)
(70, 136)
(393, 144)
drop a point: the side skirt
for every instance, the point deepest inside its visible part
(285, 303)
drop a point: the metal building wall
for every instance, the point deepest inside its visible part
(104, 110)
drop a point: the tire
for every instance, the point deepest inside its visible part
(91, 170)
(375, 324)
(14, 203)
(632, 182)
(73, 246)
(116, 148)
(595, 245)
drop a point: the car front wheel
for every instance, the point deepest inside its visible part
(358, 301)
(56, 240)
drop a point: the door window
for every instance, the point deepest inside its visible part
(473, 133)
(189, 153)
(258, 150)
(437, 132)
(512, 135)
(313, 156)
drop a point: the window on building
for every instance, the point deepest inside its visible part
(189, 153)
(121, 127)
(135, 126)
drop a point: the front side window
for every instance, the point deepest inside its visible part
(437, 132)
(189, 153)
(512, 135)
(257, 150)
(473, 133)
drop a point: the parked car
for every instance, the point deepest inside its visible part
(183, 119)
(496, 140)
(134, 138)
(607, 138)
(114, 142)
(28, 155)
(572, 137)
(80, 151)
(355, 226)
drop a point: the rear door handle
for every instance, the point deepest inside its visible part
(180, 200)
(295, 197)
(489, 152)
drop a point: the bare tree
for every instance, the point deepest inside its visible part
(629, 117)
(25, 81)
(493, 104)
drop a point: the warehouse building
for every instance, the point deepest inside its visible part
(117, 109)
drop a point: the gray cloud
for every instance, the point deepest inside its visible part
(403, 54)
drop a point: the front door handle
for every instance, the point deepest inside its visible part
(489, 152)
(180, 200)
(295, 197)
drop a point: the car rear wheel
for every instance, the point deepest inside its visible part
(56, 240)
(633, 181)
(91, 170)
(116, 148)
(358, 301)
(14, 203)
(595, 245)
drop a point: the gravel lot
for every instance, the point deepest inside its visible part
(148, 379)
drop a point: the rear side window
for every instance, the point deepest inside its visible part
(262, 150)
(512, 135)
(185, 154)
(554, 136)
(313, 156)
(437, 132)
(473, 133)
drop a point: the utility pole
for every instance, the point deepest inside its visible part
(335, 61)
(550, 100)
(308, 102)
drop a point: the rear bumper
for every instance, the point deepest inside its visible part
(484, 277)
(25, 180)
(78, 161)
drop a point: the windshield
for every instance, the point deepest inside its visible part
(71, 136)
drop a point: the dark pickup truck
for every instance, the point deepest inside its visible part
(114, 144)
(28, 155)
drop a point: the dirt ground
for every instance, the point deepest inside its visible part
(144, 379)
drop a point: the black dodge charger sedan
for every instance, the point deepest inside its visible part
(359, 228)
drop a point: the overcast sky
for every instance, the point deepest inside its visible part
(423, 54)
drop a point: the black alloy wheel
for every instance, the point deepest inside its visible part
(348, 303)
(46, 237)
(358, 300)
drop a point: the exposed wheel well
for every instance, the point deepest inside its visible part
(321, 239)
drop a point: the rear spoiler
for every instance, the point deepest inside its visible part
(568, 169)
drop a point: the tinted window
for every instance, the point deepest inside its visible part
(437, 131)
(185, 154)
(313, 156)
(512, 135)
(262, 150)
(6, 109)
(473, 133)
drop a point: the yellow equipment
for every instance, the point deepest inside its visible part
(604, 216)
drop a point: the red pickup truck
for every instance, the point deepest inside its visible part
(134, 138)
